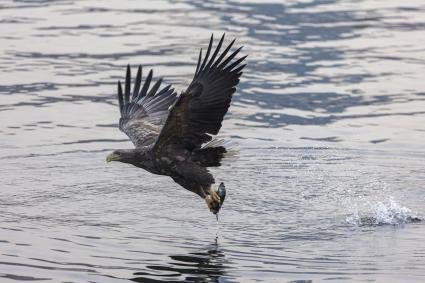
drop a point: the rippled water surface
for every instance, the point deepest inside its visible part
(330, 118)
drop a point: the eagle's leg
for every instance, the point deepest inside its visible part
(198, 180)
(215, 199)
(213, 194)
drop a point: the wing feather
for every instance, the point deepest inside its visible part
(137, 83)
(145, 112)
(127, 85)
(198, 113)
(120, 98)
(146, 85)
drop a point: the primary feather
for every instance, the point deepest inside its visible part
(143, 116)
(199, 111)
(195, 115)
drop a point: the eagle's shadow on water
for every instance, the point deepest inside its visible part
(206, 265)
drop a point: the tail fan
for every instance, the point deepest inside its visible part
(214, 152)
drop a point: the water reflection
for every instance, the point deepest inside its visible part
(206, 265)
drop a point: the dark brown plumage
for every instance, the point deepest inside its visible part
(172, 133)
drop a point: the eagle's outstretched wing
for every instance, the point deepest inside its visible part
(199, 111)
(144, 111)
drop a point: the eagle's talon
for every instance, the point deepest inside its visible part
(210, 203)
(215, 197)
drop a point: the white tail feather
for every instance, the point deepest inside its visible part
(232, 148)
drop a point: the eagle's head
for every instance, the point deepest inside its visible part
(122, 155)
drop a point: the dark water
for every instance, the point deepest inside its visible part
(330, 120)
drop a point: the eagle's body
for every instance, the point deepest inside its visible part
(171, 132)
(180, 164)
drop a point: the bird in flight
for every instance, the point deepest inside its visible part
(173, 133)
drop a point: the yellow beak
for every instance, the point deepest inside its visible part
(110, 157)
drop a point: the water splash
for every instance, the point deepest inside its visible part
(388, 212)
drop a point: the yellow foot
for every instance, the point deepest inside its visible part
(213, 201)
(214, 195)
